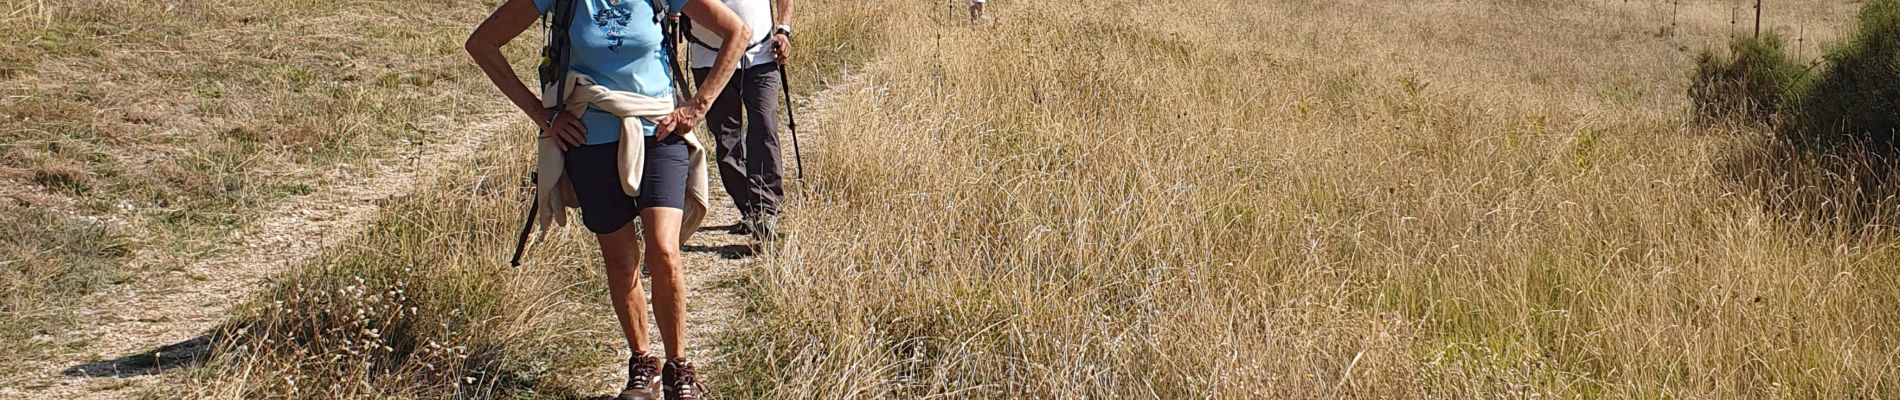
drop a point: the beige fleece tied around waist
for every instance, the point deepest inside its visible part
(557, 194)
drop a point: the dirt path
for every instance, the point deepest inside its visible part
(715, 260)
(142, 327)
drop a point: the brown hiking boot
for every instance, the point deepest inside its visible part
(643, 378)
(682, 383)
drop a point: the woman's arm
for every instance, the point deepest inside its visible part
(484, 45)
(723, 22)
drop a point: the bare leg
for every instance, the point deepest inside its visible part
(623, 283)
(662, 236)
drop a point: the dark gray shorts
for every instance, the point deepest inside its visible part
(594, 170)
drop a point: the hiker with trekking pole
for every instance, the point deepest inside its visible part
(616, 141)
(744, 119)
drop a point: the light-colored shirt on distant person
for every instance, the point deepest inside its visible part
(757, 15)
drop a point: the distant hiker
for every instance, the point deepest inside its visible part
(976, 11)
(615, 144)
(749, 158)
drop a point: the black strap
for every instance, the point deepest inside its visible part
(556, 59)
(670, 32)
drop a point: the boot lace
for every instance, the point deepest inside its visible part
(640, 373)
(682, 381)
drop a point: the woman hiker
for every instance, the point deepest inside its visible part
(620, 148)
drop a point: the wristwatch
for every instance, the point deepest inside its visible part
(784, 29)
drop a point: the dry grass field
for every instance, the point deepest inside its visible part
(1310, 199)
(138, 139)
(1077, 199)
(142, 125)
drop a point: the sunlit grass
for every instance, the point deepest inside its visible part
(1094, 199)
(1115, 199)
(161, 128)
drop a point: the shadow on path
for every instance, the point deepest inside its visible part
(188, 353)
(726, 251)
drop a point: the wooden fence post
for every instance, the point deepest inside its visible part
(1758, 19)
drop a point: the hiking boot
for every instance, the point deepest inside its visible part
(682, 383)
(643, 378)
(766, 230)
(744, 226)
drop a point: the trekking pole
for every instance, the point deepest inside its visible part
(785, 87)
(527, 224)
(791, 117)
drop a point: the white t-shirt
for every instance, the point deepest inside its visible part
(757, 15)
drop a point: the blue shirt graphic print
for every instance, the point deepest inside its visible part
(617, 43)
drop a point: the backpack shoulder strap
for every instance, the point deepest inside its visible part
(556, 60)
(659, 9)
(670, 31)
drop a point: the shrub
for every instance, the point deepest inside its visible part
(1856, 97)
(1747, 86)
(1832, 165)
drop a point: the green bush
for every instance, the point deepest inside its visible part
(1855, 98)
(1747, 86)
(1833, 165)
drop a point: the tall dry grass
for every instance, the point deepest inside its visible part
(422, 304)
(1299, 199)
(1237, 199)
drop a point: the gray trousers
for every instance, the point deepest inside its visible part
(749, 158)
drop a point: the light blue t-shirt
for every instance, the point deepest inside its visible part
(617, 43)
